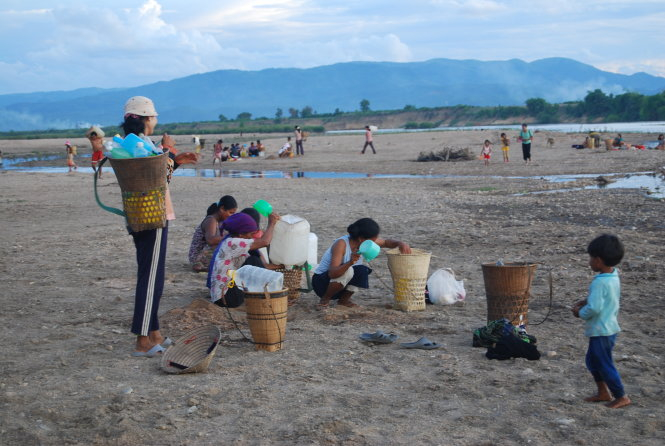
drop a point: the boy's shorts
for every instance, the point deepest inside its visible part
(486, 156)
(505, 148)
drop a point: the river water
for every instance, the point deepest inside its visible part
(605, 127)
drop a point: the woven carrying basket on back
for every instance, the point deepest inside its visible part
(143, 185)
(192, 352)
(266, 316)
(508, 288)
(292, 281)
(409, 273)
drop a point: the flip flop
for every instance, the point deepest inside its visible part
(168, 341)
(422, 344)
(379, 337)
(150, 353)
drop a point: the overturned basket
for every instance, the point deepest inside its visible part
(192, 352)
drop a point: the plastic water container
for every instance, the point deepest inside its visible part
(132, 146)
(140, 150)
(253, 279)
(290, 241)
(312, 250)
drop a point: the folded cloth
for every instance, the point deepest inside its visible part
(511, 346)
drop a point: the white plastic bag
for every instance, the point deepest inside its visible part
(444, 289)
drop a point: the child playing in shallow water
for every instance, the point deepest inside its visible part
(600, 310)
(505, 143)
(487, 152)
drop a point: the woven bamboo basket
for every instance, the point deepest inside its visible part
(507, 288)
(409, 273)
(143, 185)
(192, 352)
(266, 316)
(292, 281)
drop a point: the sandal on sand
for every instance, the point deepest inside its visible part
(168, 341)
(379, 337)
(422, 344)
(150, 353)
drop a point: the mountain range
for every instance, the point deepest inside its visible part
(386, 85)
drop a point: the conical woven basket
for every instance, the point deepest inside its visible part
(143, 185)
(508, 288)
(409, 273)
(292, 280)
(192, 352)
(266, 316)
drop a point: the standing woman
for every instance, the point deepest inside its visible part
(526, 136)
(141, 119)
(208, 233)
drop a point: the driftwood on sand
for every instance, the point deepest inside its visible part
(447, 154)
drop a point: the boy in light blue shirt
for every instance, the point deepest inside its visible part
(600, 310)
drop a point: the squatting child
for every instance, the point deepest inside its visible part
(600, 310)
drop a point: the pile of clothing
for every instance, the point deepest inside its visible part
(504, 341)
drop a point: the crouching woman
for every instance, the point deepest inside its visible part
(341, 271)
(233, 252)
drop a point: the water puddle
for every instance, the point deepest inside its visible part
(651, 184)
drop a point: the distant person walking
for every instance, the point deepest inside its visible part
(526, 137)
(299, 138)
(369, 141)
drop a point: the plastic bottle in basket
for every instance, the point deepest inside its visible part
(254, 279)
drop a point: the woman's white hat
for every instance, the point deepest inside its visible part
(141, 106)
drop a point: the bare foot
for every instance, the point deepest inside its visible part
(323, 304)
(619, 402)
(598, 398)
(347, 303)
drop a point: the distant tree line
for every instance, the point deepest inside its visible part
(596, 106)
(626, 107)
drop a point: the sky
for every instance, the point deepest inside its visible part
(48, 45)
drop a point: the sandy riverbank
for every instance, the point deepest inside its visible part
(68, 272)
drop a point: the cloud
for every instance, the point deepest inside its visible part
(125, 43)
(655, 67)
(109, 48)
